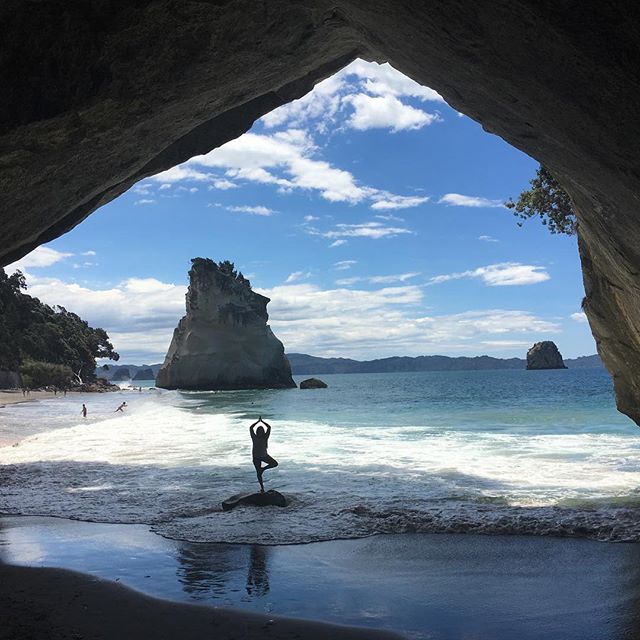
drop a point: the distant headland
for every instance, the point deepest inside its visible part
(303, 364)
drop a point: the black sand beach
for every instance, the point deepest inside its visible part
(420, 586)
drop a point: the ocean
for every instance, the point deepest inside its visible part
(488, 452)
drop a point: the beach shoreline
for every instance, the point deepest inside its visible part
(8, 397)
(435, 586)
(57, 604)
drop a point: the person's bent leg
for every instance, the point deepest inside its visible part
(272, 463)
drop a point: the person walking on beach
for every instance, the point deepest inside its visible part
(121, 407)
(84, 411)
(260, 439)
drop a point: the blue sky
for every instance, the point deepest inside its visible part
(369, 211)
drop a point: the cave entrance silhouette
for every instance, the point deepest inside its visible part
(108, 94)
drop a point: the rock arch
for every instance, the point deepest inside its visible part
(97, 95)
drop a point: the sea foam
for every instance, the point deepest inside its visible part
(173, 458)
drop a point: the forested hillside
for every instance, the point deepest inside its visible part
(47, 345)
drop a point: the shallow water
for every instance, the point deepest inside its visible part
(520, 452)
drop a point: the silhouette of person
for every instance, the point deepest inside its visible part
(121, 407)
(260, 440)
(84, 411)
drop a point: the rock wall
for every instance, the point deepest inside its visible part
(224, 341)
(97, 95)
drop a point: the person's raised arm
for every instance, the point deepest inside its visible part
(266, 424)
(253, 435)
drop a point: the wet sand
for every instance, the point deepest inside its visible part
(14, 397)
(422, 586)
(54, 604)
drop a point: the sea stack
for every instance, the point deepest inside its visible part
(224, 342)
(544, 355)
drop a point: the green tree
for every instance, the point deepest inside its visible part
(547, 200)
(33, 332)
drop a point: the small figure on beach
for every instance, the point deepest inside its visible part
(121, 407)
(84, 411)
(260, 439)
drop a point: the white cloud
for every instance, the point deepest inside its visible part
(256, 157)
(580, 316)
(145, 201)
(388, 217)
(89, 253)
(371, 230)
(343, 265)
(337, 243)
(499, 275)
(142, 188)
(389, 279)
(322, 103)
(140, 315)
(383, 322)
(386, 112)
(39, 257)
(383, 79)
(258, 210)
(398, 202)
(400, 277)
(364, 95)
(177, 174)
(311, 218)
(458, 200)
(488, 239)
(223, 184)
(165, 186)
(297, 276)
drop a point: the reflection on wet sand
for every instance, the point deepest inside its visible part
(257, 575)
(211, 572)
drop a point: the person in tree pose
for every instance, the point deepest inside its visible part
(260, 439)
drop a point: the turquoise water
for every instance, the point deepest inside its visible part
(495, 452)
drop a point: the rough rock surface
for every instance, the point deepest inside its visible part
(268, 498)
(99, 386)
(97, 95)
(224, 341)
(544, 355)
(313, 383)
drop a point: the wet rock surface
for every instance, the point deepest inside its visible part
(98, 95)
(268, 498)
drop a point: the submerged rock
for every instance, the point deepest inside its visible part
(313, 383)
(544, 355)
(224, 341)
(269, 498)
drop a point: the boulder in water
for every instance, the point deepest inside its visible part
(544, 355)
(268, 498)
(313, 383)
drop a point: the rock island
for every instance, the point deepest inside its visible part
(224, 341)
